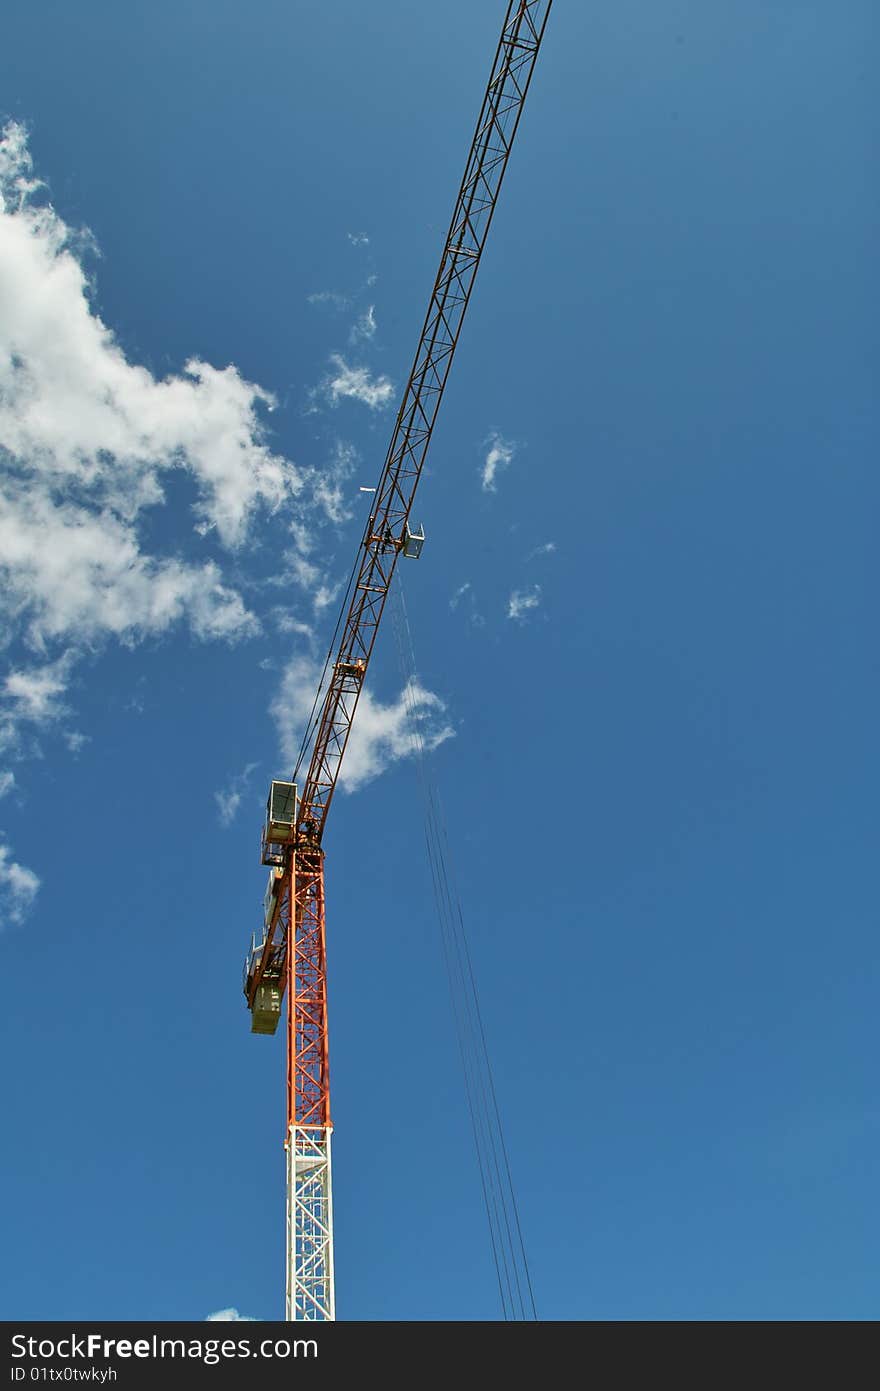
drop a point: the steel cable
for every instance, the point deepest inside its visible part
(499, 1199)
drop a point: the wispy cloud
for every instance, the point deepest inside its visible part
(324, 595)
(547, 549)
(345, 382)
(329, 299)
(287, 621)
(523, 601)
(365, 326)
(229, 1316)
(307, 573)
(228, 799)
(7, 783)
(18, 888)
(498, 457)
(330, 484)
(465, 598)
(382, 733)
(358, 238)
(302, 571)
(34, 693)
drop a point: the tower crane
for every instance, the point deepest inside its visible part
(290, 953)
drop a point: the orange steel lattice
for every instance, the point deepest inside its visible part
(310, 1285)
(308, 1078)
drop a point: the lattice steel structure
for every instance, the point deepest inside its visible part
(386, 534)
(310, 1282)
(310, 1286)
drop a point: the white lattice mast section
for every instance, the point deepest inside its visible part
(310, 1285)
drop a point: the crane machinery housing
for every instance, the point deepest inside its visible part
(290, 952)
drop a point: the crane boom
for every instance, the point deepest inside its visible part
(292, 840)
(386, 534)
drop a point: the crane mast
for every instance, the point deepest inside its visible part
(292, 837)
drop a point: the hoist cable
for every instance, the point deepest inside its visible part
(508, 1247)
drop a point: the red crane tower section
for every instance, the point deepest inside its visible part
(291, 954)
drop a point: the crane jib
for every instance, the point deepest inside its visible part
(384, 537)
(484, 171)
(290, 955)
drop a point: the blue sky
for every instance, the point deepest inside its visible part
(646, 609)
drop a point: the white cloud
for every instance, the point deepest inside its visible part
(324, 595)
(302, 571)
(310, 577)
(71, 571)
(229, 1316)
(35, 694)
(287, 621)
(75, 412)
(365, 327)
(7, 782)
(329, 298)
(306, 563)
(358, 238)
(466, 599)
(356, 384)
(499, 457)
(228, 799)
(521, 601)
(86, 440)
(547, 549)
(18, 888)
(381, 734)
(329, 485)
